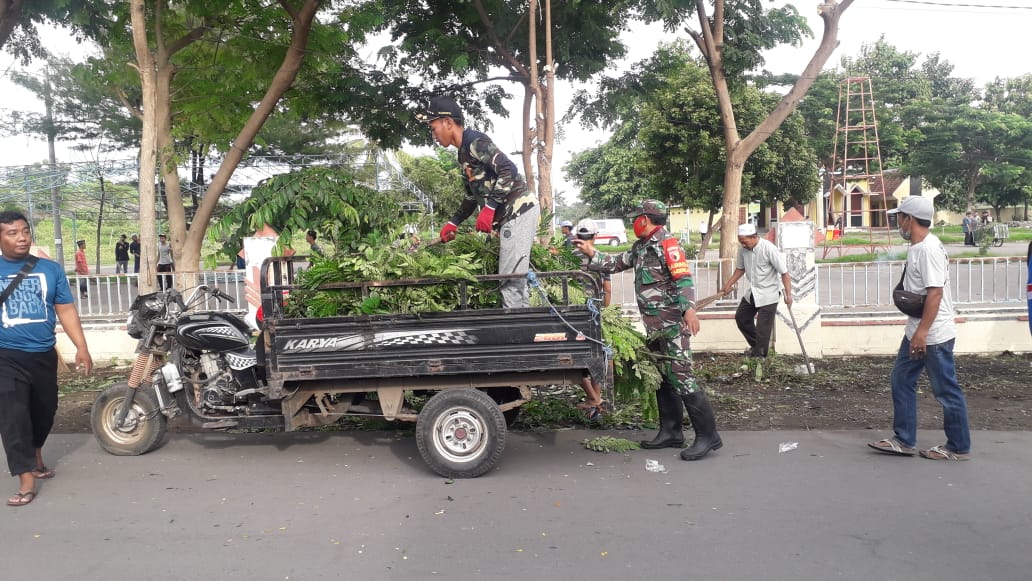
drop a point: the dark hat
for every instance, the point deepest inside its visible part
(649, 208)
(441, 107)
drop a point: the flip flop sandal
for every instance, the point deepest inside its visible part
(892, 446)
(21, 498)
(943, 453)
(43, 473)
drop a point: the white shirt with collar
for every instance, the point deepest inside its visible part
(764, 266)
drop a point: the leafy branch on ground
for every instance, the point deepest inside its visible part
(607, 444)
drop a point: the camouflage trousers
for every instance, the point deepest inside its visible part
(672, 347)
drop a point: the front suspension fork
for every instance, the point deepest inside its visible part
(143, 369)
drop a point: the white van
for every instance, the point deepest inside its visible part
(612, 232)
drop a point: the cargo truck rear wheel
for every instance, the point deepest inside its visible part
(460, 433)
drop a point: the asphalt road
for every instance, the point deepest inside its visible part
(364, 506)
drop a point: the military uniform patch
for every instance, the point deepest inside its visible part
(676, 261)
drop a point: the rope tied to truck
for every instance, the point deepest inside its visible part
(592, 304)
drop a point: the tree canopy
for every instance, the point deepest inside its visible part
(670, 143)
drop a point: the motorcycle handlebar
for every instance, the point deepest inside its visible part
(224, 296)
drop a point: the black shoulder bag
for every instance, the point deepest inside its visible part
(26, 268)
(910, 304)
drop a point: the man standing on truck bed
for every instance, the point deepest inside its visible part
(495, 186)
(666, 299)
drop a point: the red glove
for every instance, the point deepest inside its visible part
(448, 232)
(485, 220)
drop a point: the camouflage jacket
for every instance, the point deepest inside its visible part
(662, 299)
(492, 180)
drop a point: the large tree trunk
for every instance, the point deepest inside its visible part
(167, 162)
(733, 170)
(529, 137)
(711, 42)
(972, 185)
(190, 252)
(531, 100)
(148, 148)
(547, 121)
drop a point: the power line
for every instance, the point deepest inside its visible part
(960, 5)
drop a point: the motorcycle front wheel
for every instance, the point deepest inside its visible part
(143, 429)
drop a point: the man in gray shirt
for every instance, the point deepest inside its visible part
(762, 262)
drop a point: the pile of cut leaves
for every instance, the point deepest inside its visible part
(387, 258)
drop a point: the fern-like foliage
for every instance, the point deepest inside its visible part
(607, 444)
(636, 377)
(379, 257)
(327, 199)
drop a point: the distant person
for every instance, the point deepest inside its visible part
(703, 229)
(762, 262)
(134, 249)
(122, 255)
(986, 218)
(927, 344)
(586, 230)
(312, 244)
(82, 268)
(567, 229)
(968, 225)
(165, 263)
(28, 360)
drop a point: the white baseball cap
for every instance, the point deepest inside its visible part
(919, 207)
(587, 226)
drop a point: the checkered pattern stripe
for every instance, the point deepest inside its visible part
(443, 337)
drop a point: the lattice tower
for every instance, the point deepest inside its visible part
(857, 200)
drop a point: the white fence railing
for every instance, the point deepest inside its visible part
(110, 296)
(990, 280)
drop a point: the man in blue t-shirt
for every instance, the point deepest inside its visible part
(28, 359)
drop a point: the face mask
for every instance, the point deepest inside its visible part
(905, 234)
(640, 227)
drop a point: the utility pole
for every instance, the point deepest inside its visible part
(55, 193)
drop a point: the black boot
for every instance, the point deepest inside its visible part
(700, 412)
(671, 421)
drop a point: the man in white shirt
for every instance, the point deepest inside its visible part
(927, 343)
(165, 263)
(762, 262)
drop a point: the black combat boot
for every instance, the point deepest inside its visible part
(700, 412)
(671, 421)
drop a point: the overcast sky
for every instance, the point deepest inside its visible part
(981, 42)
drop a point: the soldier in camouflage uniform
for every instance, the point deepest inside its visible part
(494, 185)
(666, 300)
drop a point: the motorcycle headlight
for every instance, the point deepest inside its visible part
(133, 327)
